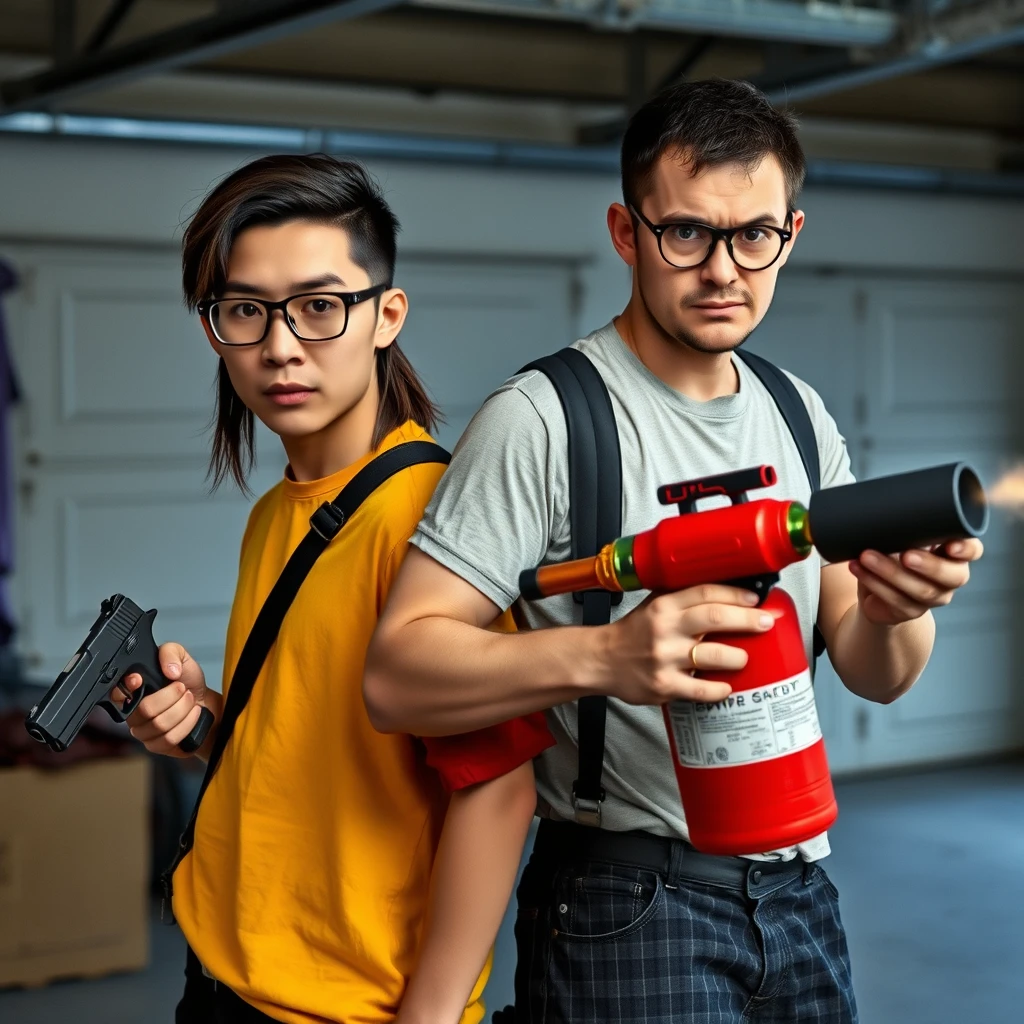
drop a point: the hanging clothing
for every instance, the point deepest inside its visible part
(9, 394)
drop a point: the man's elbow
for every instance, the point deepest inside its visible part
(379, 694)
(880, 692)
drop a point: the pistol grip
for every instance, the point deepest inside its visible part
(195, 739)
(147, 663)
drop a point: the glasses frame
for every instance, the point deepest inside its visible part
(717, 235)
(348, 300)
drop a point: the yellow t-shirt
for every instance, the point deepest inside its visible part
(308, 883)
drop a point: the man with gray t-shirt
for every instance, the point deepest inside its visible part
(621, 919)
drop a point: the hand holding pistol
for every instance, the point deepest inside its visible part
(120, 669)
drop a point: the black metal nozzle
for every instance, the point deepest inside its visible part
(895, 513)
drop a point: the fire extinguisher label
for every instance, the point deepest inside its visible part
(748, 726)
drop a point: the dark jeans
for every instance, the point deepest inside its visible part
(672, 942)
(206, 1001)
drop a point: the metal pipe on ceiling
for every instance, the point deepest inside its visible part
(477, 152)
(822, 22)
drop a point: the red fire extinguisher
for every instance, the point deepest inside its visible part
(752, 770)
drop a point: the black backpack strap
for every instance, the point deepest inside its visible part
(794, 412)
(324, 524)
(595, 518)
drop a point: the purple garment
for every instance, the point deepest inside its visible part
(9, 394)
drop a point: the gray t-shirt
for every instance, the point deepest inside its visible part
(503, 506)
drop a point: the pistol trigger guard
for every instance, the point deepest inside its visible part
(118, 714)
(132, 700)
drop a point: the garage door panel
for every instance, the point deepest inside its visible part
(944, 359)
(930, 359)
(471, 327)
(112, 365)
(942, 368)
(158, 537)
(810, 331)
(126, 356)
(971, 674)
(123, 370)
(137, 518)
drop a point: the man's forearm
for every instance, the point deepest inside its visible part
(434, 668)
(437, 676)
(880, 663)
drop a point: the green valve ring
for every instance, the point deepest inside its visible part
(622, 564)
(798, 524)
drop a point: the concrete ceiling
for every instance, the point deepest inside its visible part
(552, 70)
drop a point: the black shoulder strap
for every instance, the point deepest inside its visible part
(324, 524)
(595, 517)
(794, 412)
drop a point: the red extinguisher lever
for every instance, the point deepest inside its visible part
(733, 485)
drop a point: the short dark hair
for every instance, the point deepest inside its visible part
(274, 190)
(711, 123)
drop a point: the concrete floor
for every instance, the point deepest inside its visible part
(930, 868)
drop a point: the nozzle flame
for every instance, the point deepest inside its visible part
(1008, 491)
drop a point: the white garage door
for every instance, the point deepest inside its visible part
(920, 372)
(111, 456)
(473, 324)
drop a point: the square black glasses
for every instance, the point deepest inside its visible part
(310, 316)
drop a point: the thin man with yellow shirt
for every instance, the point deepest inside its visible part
(332, 878)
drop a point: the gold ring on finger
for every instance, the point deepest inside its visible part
(693, 654)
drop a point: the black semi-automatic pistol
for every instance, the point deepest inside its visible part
(120, 642)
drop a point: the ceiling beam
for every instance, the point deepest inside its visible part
(606, 132)
(780, 79)
(636, 71)
(62, 29)
(231, 28)
(109, 24)
(697, 49)
(950, 37)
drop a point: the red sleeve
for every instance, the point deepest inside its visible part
(487, 754)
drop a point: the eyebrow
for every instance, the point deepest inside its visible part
(689, 218)
(295, 288)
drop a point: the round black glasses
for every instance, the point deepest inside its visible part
(688, 244)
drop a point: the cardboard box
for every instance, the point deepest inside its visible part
(74, 870)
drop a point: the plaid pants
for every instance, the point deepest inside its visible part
(618, 943)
